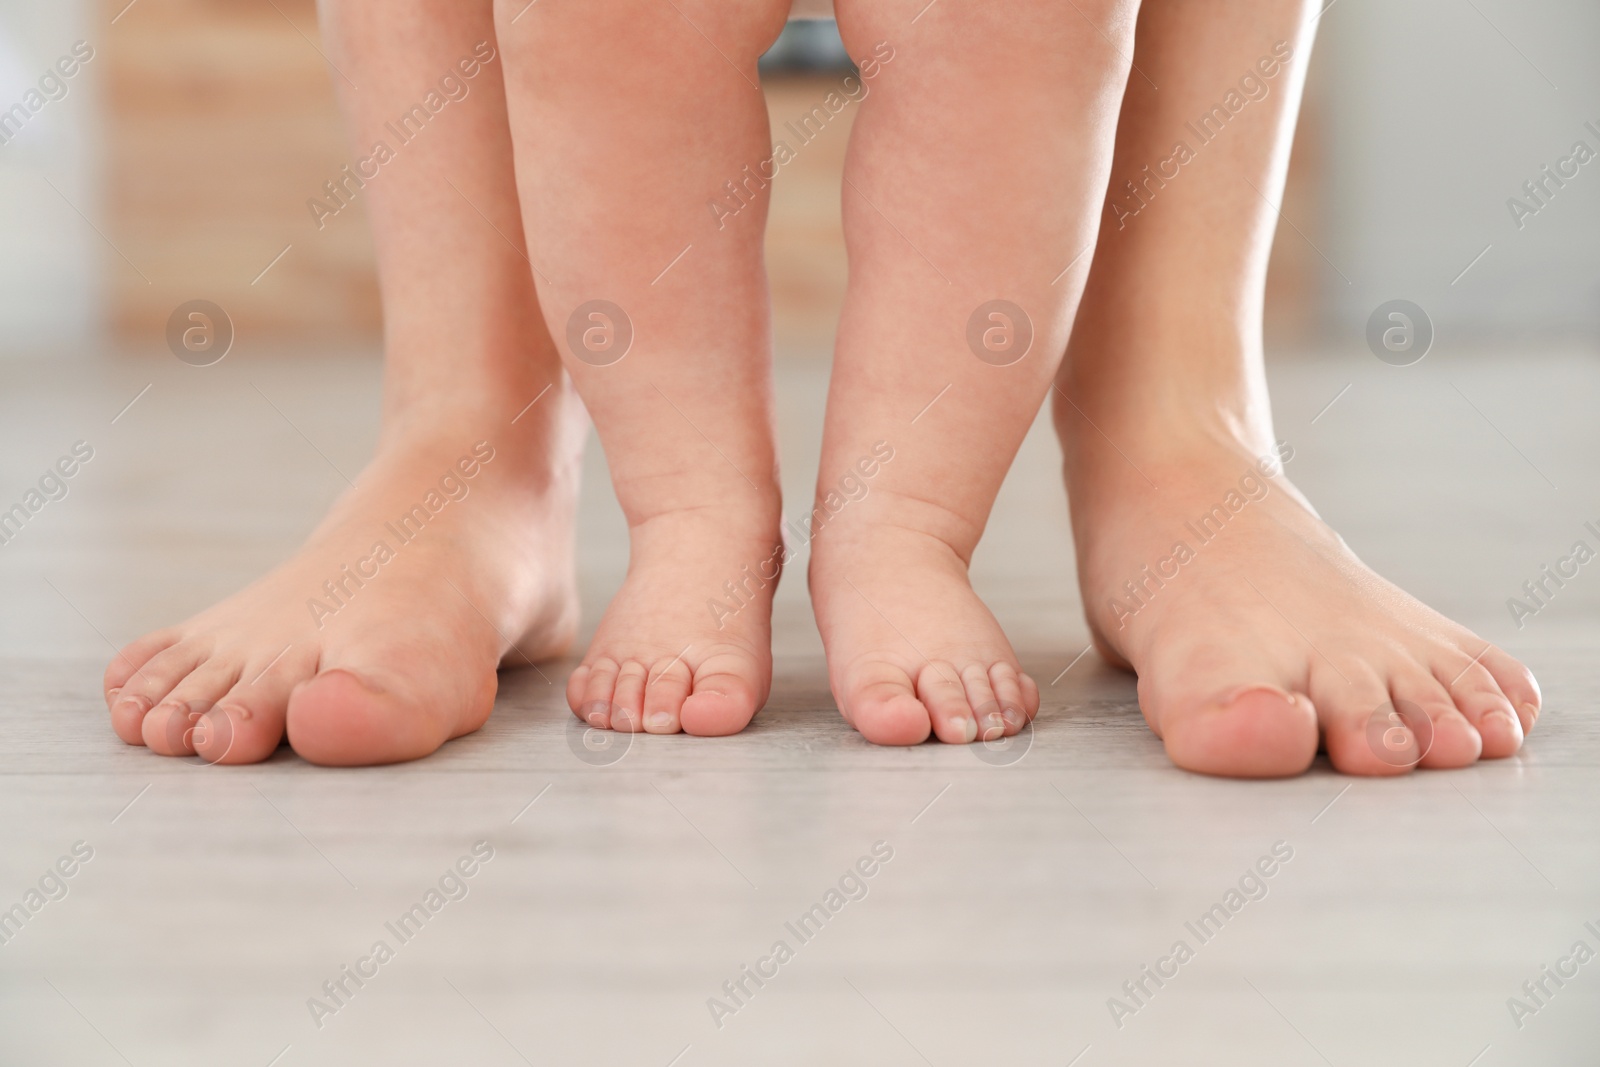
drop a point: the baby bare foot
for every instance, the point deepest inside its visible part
(1255, 630)
(686, 644)
(380, 639)
(911, 648)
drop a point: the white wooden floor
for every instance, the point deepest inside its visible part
(628, 884)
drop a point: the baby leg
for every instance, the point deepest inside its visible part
(641, 144)
(975, 175)
(1253, 628)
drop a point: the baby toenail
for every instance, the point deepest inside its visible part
(964, 726)
(1528, 711)
(661, 720)
(1014, 718)
(994, 727)
(134, 703)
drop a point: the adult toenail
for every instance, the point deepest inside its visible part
(216, 731)
(967, 728)
(660, 720)
(1499, 721)
(1234, 695)
(364, 682)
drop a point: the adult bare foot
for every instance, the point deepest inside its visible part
(1253, 627)
(380, 639)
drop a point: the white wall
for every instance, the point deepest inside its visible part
(1435, 121)
(51, 259)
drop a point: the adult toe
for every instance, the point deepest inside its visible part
(1224, 711)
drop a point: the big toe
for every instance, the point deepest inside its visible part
(881, 703)
(341, 719)
(1258, 731)
(725, 697)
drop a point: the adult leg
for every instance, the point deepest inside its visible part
(380, 639)
(1253, 628)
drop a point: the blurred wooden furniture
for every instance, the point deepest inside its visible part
(220, 124)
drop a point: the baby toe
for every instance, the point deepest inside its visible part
(879, 700)
(992, 724)
(664, 693)
(724, 698)
(627, 697)
(594, 703)
(944, 696)
(576, 683)
(1006, 681)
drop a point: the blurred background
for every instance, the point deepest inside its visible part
(178, 163)
(174, 164)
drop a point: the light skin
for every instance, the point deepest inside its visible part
(408, 659)
(953, 197)
(585, 176)
(1274, 638)
(627, 118)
